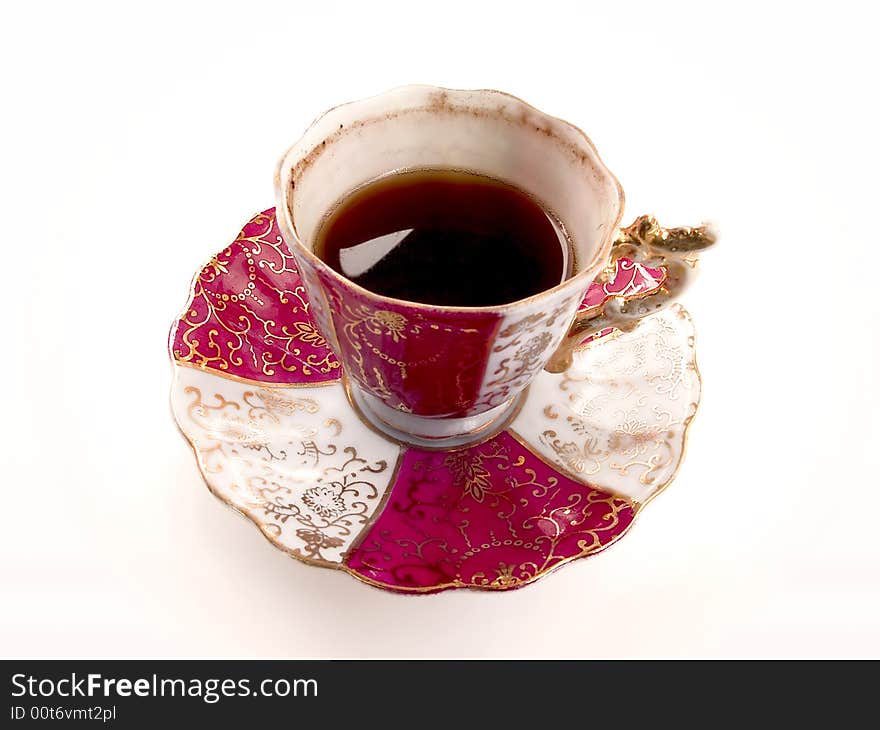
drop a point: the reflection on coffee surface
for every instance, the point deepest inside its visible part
(444, 237)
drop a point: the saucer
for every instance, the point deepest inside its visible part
(262, 401)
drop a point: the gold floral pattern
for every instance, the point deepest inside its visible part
(391, 323)
(504, 577)
(316, 541)
(490, 516)
(469, 473)
(362, 322)
(526, 323)
(414, 364)
(325, 501)
(522, 349)
(306, 332)
(248, 313)
(284, 459)
(333, 508)
(619, 415)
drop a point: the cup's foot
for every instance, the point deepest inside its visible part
(428, 432)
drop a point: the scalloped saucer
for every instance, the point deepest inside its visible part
(261, 399)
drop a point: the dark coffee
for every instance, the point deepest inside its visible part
(444, 237)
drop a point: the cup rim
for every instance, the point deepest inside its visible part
(586, 275)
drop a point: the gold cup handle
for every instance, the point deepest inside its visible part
(644, 242)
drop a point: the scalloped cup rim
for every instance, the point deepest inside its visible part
(298, 149)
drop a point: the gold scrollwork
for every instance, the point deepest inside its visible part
(339, 494)
(213, 335)
(528, 340)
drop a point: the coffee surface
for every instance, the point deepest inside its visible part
(444, 237)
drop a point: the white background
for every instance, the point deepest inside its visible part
(135, 142)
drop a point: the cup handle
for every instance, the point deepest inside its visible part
(645, 242)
